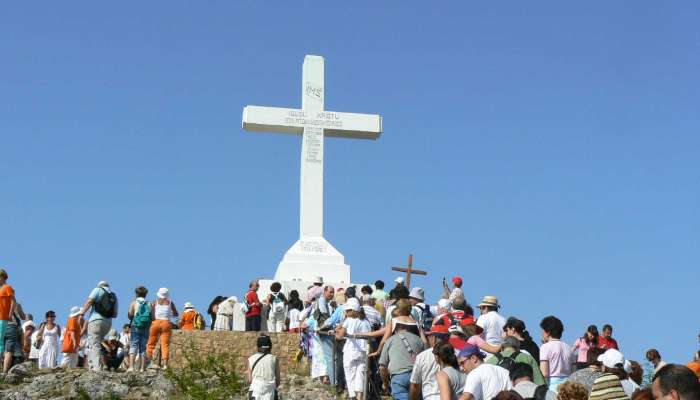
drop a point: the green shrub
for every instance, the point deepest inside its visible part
(207, 376)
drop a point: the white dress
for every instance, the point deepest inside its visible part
(238, 317)
(48, 354)
(224, 316)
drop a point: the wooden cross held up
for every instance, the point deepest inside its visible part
(409, 271)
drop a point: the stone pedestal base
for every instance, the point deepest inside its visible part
(310, 257)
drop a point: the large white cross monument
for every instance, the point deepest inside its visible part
(312, 255)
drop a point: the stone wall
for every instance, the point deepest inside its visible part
(242, 344)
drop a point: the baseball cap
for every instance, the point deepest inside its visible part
(264, 342)
(399, 279)
(439, 330)
(352, 304)
(470, 350)
(612, 358)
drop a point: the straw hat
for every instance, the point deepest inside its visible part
(163, 293)
(489, 301)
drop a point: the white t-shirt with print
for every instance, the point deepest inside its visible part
(424, 374)
(486, 381)
(493, 324)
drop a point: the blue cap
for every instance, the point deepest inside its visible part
(470, 350)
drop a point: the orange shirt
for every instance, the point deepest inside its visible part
(187, 320)
(68, 345)
(7, 295)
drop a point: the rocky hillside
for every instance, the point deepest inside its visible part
(25, 382)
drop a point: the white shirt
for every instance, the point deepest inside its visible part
(456, 293)
(424, 374)
(294, 321)
(493, 324)
(353, 326)
(486, 381)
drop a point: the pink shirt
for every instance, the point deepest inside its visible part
(559, 356)
(583, 347)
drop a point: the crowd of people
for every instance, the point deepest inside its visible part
(362, 340)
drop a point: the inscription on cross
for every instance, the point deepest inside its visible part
(408, 269)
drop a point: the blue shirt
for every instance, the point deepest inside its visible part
(96, 296)
(336, 318)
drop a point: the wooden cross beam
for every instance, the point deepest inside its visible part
(409, 270)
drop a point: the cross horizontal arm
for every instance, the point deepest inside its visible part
(293, 121)
(413, 271)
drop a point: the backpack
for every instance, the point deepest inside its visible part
(277, 306)
(106, 305)
(198, 322)
(507, 362)
(427, 317)
(541, 392)
(142, 318)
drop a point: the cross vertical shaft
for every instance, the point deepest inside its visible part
(311, 190)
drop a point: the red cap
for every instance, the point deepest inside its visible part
(469, 320)
(457, 281)
(440, 329)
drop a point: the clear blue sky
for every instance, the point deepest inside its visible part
(546, 152)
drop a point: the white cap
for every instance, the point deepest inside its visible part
(352, 304)
(163, 293)
(318, 279)
(75, 310)
(399, 279)
(445, 303)
(417, 293)
(103, 284)
(611, 358)
(188, 305)
(233, 299)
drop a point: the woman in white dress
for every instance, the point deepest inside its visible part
(224, 314)
(49, 334)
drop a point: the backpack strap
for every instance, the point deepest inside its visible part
(252, 369)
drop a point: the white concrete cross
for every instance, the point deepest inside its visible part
(312, 255)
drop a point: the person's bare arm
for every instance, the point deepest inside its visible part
(174, 309)
(490, 348)
(131, 311)
(249, 375)
(87, 305)
(414, 390)
(443, 386)
(544, 367)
